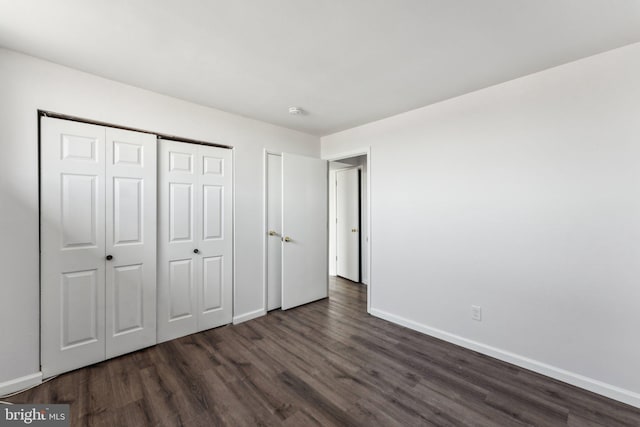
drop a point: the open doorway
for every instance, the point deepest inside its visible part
(349, 222)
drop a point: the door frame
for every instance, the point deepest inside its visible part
(364, 151)
(265, 225)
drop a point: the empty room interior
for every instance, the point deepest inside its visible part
(299, 213)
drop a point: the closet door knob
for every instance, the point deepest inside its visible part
(195, 251)
(287, 239)
(109, 257)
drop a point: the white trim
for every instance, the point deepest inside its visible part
(599, 387)
(233, 228)
(21, 383)
(265, 183)
(347, 154)
(249, 316)
(365, 151)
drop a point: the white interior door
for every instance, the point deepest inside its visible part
(274, 231)
(130, 241)
(194, 239)
(348, 224)
(305, 275)
(72, 197)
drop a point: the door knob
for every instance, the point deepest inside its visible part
(287, 239)
(272, 233)
(196, 251)
(109, 257)
(354, 230)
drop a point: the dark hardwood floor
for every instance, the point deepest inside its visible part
(326, 363)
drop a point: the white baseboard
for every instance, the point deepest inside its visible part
(21, 383)
(248, 316)
(599, 387)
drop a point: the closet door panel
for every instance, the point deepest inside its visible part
(130, 241)
(72, 201)
(178, 265)
(214, 169)
(128, 295)
(213, 283)
(180, 284)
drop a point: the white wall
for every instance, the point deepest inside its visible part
(28, 84)
(523, 198)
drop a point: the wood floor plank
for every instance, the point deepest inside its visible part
(322, 364)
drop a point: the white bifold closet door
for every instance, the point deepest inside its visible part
(195, 249)
(98, 242)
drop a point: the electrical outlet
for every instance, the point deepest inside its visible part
(476, 313)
